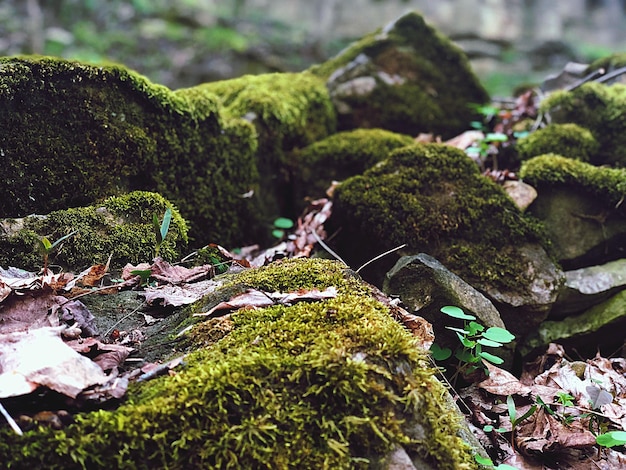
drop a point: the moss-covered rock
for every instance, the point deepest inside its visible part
(407, 78)
(75, 133)
(569, 139)
(582, 207)
(327, 384)
(599, 108)
(288, 110)
(340, 156)
(433, 198)
(120, 227)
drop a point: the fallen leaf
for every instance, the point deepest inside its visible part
(502, 383)
(175, 296)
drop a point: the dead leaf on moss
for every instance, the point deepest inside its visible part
(253, 298)
(176, 296)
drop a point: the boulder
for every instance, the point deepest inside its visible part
(334, 383)
(582, 208)
(433, 198)
(407, 78)
(598, 108)
(589, 286)
(117, 231)
(599, 329)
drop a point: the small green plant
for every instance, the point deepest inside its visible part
(161, 229)
(45, 247)
(515, 420)
(281, 224)
(473, 337)
(487, 462)
(611, 439)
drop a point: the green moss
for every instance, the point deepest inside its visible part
(434, 199)
(609, 63)
(340, 156)
(437, 81)
(606, 184)
(120, 227)
(600, 109)
(570, 140)
(288, 110)
(78, 133)
(315, 385)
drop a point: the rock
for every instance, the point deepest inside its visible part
(598, 330)
(433, 198)
(306, 385)
(120, 228)
(581, 208)
(589, 286)
(593, 106)
(335, 158)
(570, 140)
(522, 194)
(406, 78)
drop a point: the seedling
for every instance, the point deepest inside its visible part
(45, 247)
(161, 229)
(510, 405)
(281, 224)
(611, 439)
(487, 462)
(473, 337)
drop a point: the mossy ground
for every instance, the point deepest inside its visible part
(434, 199)
(338, 157)
(121, 227)
(605, 184)
(324, 384)
(77, 133)
(599, 108)
(568, 139)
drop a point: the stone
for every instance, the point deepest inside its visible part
(582, 208)
(589, 286)
(406, 78)
(522, 194)
(599, 329)
(433, 198)
(335, 382)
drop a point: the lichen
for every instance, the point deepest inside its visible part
(328, 384)
(77, 133)
(605, 184)
(437, 81)
(599, 108)
(120, 227)
(434, 199)
(339, 156)
(569, 139)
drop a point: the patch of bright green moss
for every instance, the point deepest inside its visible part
(288, 110)
(327, 384)
(340, 156)
(76, 133)
(433, 198)
(120, 227)
(437, 79)
(600, 109)
(569, 139)
(609, 63)
(607, 184)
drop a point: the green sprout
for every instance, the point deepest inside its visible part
(281, 224)
(161, 229)
(45, 247)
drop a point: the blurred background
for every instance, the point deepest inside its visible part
(186, 42)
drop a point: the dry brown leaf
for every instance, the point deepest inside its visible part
(92, 276)
(502, 383)
(175, 296)
(165, 272)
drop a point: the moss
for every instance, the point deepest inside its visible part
(570, 140)
(288, 110)
(600, 109)
(608, 63)
(314, 385)
(121, 227)
(79, 133)
(340, 156)
(605, 184)
(434, 199)
(437, 81)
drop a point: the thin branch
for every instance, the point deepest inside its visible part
(381, 255)
(327, 248)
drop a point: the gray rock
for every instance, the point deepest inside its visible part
(589, 286)
(601, 328)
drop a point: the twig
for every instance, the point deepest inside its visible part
(326, 247)
(10, 420)
(381, 255)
